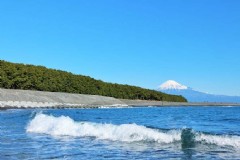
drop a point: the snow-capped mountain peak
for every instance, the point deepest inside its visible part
(170, 84)
(173, 87)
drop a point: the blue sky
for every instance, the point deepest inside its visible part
(136, 42)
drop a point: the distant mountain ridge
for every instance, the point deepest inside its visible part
(175, 88)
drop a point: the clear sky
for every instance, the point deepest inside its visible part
(136, 42)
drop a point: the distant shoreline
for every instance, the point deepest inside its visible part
(10, 98)
(160, 103)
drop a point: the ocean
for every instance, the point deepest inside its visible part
(121, 133)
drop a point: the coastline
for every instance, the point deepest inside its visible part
(165, 104)
(10, 98)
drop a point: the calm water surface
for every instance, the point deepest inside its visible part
(121, 133)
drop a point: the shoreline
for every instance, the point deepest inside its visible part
(165, 104)
(27, 99)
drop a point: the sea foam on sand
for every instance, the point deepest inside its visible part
(28, 104)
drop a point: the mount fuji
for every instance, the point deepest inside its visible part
(173, 87)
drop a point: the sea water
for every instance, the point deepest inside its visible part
(121, 133)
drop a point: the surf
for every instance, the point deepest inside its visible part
(66, 126)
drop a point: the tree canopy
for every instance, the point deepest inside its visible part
(30, 77)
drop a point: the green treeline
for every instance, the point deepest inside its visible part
(30, 77)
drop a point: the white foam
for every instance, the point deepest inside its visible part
(220, 140)
(115, 106)
(29, 104)
(65, 126)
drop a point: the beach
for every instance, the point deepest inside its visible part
(10, 98)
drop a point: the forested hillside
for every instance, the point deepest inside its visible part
(30, 77)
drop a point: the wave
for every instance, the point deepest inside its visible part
(221, 140)
(30, 104)
(65, 126)
(115, 106)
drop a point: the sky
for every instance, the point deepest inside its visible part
(135, 42)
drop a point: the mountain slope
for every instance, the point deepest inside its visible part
(30, 77)
(195, 96)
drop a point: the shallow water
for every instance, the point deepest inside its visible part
(121, 133)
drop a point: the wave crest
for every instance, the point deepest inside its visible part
(65, 126)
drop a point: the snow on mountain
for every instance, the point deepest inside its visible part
(170, 84)
(173, 87)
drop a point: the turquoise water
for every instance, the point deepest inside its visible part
(121, 133)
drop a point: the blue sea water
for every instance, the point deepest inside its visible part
(121, 133)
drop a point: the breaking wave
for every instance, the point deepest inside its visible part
(65, 126)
